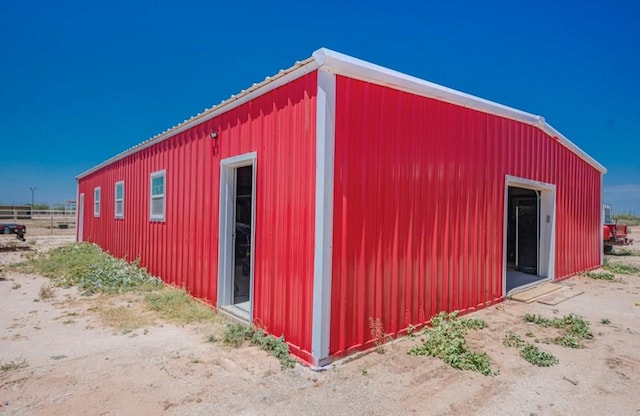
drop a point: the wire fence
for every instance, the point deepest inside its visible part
(50, 221)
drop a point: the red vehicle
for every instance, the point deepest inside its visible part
(614, 234)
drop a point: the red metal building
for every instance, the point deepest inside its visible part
(338, 192)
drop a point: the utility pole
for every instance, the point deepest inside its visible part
(33, 193)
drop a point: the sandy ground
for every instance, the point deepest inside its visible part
(75, 364)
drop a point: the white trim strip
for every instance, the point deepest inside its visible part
(325, 154)
(602, 220)
(366, 71)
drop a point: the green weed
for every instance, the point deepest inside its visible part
(568, 341)
(621, 268)
(600, 275)
(605, 321)
(573, 323)
(575, 329)
(530, 352)
(90, 269)
(235, 335)
(623, 252)
(445, 339)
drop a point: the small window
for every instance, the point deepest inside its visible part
(119, 198)
(96, 202)
(157, 203)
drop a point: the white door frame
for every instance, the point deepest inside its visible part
(80, 217)
(546, 225)
(227, 231)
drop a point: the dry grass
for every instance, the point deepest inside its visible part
(13, 365)
(177, 306)
(123, 312)
(46, 292)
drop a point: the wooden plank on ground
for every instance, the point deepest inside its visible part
(535, 293)
(559, 296)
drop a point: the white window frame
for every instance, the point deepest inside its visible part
(118, 215)
(157, 174)
(96, 201)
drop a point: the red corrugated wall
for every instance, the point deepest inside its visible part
(419, 207)
(280, 126)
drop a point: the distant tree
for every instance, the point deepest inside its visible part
(40, 206)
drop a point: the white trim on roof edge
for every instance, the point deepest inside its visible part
(366, 71)
(349, 66)
(269, 83)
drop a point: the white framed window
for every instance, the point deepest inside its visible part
(157, 200)
(119, 199)
(96, 201)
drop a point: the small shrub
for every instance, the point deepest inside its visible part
(605, 321)
(46, 292)
(377, 334)
(445, 340)
(236, 334)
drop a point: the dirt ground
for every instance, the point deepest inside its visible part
(70, 362)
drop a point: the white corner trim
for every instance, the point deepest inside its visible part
(366, 71)
(601, 220)
(323, 243)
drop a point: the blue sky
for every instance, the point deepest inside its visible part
(82, 81)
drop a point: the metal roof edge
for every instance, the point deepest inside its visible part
(299, 69)
(573, 147)
(366, 71)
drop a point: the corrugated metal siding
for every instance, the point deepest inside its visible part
(419, 207)
(280, 127)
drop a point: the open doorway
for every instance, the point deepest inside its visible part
(529, 233)
(237, 219)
